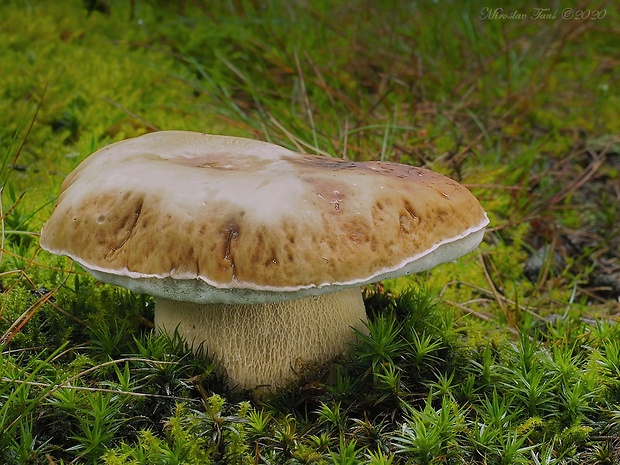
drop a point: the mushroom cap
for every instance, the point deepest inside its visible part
(204, 218)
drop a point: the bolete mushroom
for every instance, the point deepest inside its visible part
(252, 250)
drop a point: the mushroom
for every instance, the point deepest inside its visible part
(253, 251)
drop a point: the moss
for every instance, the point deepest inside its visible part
(78, 65)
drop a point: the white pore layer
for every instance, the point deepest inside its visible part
(201, 291)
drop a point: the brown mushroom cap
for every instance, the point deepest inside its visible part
(203, 218)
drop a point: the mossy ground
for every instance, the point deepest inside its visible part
(477, 361)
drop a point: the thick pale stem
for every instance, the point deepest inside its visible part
(266, 345)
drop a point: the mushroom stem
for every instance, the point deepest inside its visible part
(267, 345)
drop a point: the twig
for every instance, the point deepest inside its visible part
(92, 389)
(19, 323)
(480, 316)
(296, 140)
